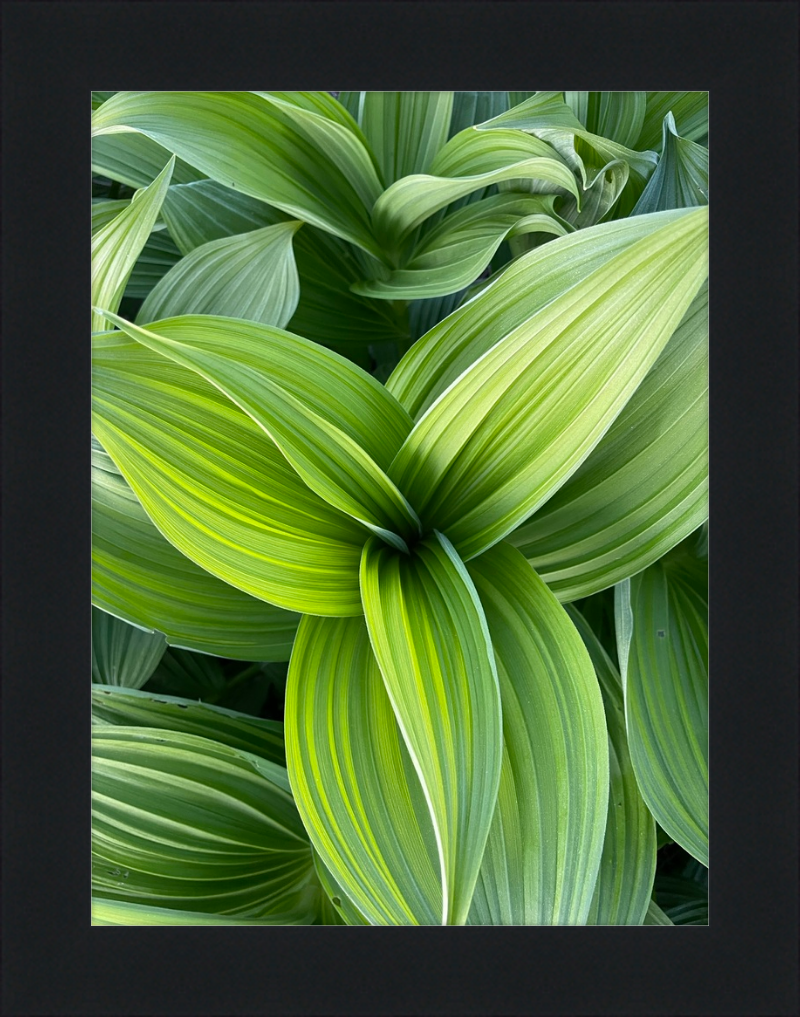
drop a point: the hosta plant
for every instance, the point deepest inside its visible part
(407, 390)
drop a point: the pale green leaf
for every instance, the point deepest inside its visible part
(690, 110)
(618, 116)
(644, 488)
(662, 635)
(470, 161)
(681, 177)
(262, 145)
(625, 878)
(134, 160)
(517, 423)
(346, 911)
(506, 303)
(430, 638)
(139, 576)
(405, 130)
(329, 418)
(454, 252)
(250, 276)
(121, 654)
(217, 487)
(353, 781)
(327, 312)
(117, 245)
(591, 156)
(655, 916)
(471, 108)
(544, 846)
(120, 912)
(185, 822)
(131, 708)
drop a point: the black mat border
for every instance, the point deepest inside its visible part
(745, 962)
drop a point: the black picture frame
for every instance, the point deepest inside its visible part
(744, 962)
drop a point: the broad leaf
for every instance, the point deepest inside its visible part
(120, 912)
(662, 635)
(217, 487)
(134, 160)
(158, 256)
(336, 425)
(327, 312)
(591, 156)
(625, 879)
(263, 145)
(458, 249)
(655, 916)
(519, 422)
(544, 847)
(644, 488)
(506, 302)
(251, 276)
(353, 781)
(346, 911)
(429, 634)
(469, 162)
(139, 576)
(117, 245)
(131, 708)
(121, 654)
(681, 177)
(405, 130)
(618, 116)
(689, 109)
(186, 822)
(471, 108)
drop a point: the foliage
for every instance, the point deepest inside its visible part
(407, 390)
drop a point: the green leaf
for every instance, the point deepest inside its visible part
(644, 488)
(134, 160)
(121, 654)
(250, 276)
(140, 577)
(655, 916)
(689, 109)
(120, 912)
(263, 145)
(217, 487)
(327, 312)
(681, 177)
(469, 162)
(618, 116)
(544, 847)
(471, 108)
(430, 638)
(185, 822)
(518, 422)
(158, 256)
(346, 911)
(625, 879)
(505, 303)
(335, 424)
(405, 130)
(453, 253)
(662, 635)
(353, 781)
(591, 156)
(116, 246)
(131, 708)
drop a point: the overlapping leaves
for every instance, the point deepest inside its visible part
(447, 745)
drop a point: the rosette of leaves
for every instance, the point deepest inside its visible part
(458, 746)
